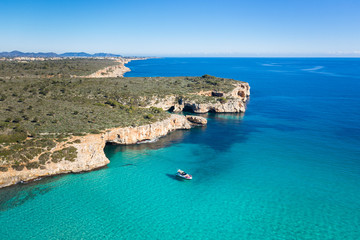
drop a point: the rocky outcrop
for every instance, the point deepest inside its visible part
(231, 106)
(231, 102)
(196, 120)
(90, 148)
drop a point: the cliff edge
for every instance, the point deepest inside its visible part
(215, 101)
(90, 148)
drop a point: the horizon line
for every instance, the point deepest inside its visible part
(208, 55)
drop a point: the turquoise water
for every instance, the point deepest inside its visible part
(289, 168)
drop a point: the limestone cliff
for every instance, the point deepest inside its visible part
(90, 148)
(231, 102)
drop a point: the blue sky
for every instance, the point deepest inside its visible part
(183, 28)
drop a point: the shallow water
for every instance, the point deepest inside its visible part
(289, 168)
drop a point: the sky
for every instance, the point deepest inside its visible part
(226, 28)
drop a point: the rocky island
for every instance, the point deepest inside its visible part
(58, 123)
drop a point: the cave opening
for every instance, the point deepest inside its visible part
(171, 109)
(188, 108)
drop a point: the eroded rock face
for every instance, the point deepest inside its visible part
(242, 91)
(132, 135)
(231, 106)
(232, 102)
(165, 103)
(90, 150)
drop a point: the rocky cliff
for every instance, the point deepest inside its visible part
(230, 102)
(90, 148)
(113, 71)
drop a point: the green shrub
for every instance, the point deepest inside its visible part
(79, 134)
(2, 97)
(16, 120)
(100, 104)
(69, 154)
(94, 131)
(57, 156)
(13, 135)
(44, 158)
(156, 110)
(149, 116)
(31, 153)
(17, 167)
(208, 76)
(32, 165)
(112, 103)
(3, 169)
(222, 100)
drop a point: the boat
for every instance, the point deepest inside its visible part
(180, 173)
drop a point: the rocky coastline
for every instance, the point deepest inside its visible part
(232, 102)
(90, 148)
(113, 71)
(87, 152)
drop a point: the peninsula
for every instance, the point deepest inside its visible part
(57, 115)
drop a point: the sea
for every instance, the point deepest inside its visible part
(288, 168)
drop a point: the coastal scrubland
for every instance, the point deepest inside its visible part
(37, 113)
(51, 68)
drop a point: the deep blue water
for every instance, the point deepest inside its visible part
(289, 168)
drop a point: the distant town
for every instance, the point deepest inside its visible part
(40, 56)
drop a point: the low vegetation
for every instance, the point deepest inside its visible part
(52, 68)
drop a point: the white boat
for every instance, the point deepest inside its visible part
(180, 173)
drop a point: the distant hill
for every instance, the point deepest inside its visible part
(52, 54)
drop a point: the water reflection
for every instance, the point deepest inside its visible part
(226, 117)
(222, 131)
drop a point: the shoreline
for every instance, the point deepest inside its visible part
(113, 71)
(90, 149)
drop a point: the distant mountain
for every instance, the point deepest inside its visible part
(106, 55)
(75, 54)
(21, 54)
(84, 54)
(52, 54)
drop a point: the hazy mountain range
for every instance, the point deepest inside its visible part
(52, 54)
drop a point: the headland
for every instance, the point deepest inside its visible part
(60, 124)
